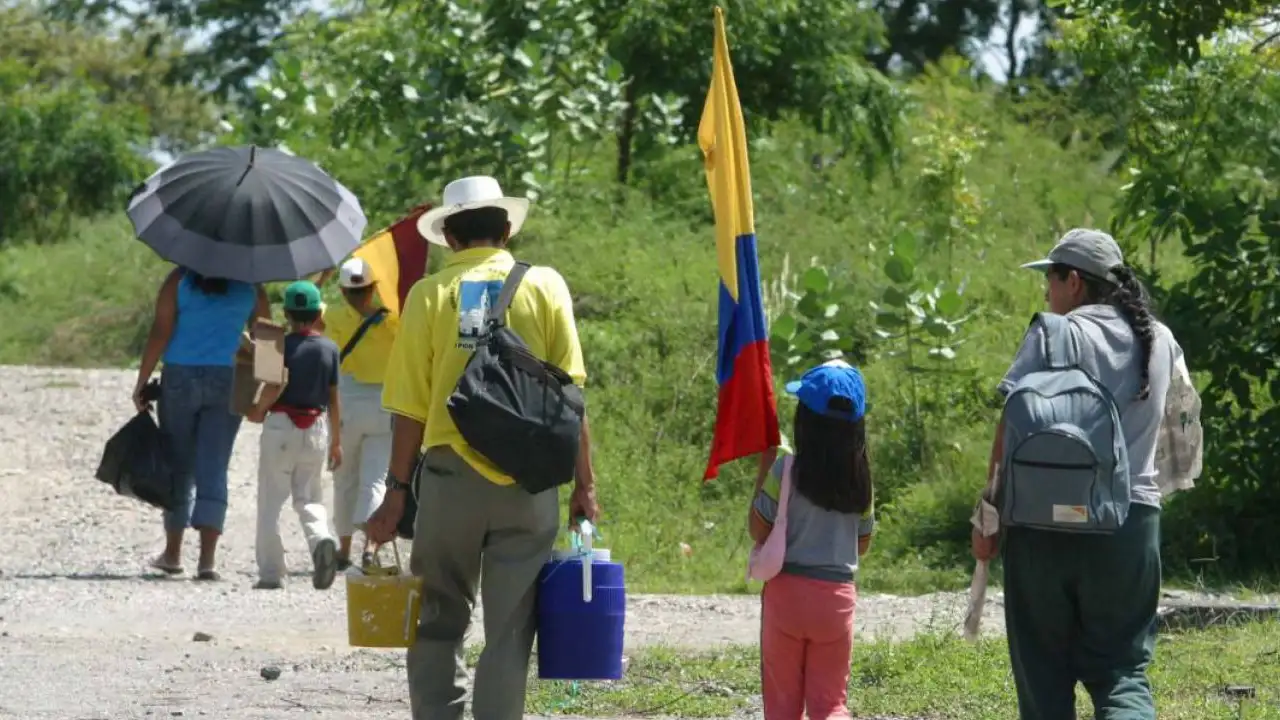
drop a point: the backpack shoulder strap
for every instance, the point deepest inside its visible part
(368, 322)
(1061, 349)
(498, 313)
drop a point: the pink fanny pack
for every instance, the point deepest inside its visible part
(767, 557)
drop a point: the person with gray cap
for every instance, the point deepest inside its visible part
(1082, 572)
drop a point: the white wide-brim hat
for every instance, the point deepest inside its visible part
(471, 193)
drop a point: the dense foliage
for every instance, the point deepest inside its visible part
(1201, 154)
(75, 108)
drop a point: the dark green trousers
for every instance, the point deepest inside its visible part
(1082, 608)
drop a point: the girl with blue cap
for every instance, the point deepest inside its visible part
(812, 518)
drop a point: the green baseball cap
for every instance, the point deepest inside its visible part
(302, 295)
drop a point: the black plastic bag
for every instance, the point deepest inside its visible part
(135, 465)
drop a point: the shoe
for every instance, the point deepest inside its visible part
(344, 563)
(268, 585)
(209, 575)
(325, 560)
(158, 563)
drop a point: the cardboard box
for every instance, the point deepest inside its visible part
(245, 386)
(268, 352)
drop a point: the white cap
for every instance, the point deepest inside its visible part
(356, 273)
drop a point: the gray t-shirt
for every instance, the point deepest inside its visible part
(821, 544)
(1110, 352)
(312, 361)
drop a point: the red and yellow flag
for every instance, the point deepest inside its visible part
(398, 256)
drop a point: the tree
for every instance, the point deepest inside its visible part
(241, 35)
(123, 71)
(920, 32)
(1195, 96)
(77, 111)
(1175, 30)
(526, 89)
(803, 58)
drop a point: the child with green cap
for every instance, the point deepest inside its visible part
(301, 426)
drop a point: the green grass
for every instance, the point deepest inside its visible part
(82, 301)
(641, 266)
(935, 677)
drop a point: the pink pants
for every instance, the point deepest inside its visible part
(806, 639)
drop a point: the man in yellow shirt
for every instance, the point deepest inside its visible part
(473, 519)
(359, 483)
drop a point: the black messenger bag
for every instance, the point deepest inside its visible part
(520, 412)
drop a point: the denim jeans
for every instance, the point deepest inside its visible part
(200, 431)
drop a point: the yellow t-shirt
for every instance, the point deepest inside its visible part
(367, 363)
(441, 318)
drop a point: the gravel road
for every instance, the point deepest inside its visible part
(87, 632)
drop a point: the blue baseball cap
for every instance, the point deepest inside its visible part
(831, 379)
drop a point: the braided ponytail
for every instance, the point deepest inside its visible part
(1130, 298)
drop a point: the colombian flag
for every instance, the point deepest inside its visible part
(746, 417)
(398, 256)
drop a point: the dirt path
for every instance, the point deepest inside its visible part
(86, 633)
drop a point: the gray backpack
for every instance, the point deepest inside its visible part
(1065, 464)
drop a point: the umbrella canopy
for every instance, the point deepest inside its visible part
(247, 213)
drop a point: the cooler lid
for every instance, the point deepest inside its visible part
(597, 555)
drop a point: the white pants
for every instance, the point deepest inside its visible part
(291, 461)
(359, 483)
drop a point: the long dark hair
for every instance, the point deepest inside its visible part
(208, 285)
(830, 468)
(1131, 299)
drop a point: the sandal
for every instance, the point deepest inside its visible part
(158, 563)
(208, 575)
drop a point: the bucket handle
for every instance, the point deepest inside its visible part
(395, 548)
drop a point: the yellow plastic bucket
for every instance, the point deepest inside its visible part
(383, 605)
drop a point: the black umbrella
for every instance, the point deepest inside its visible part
(247, 213)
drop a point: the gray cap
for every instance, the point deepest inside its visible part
(1091, 251)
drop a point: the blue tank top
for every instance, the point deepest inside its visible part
(207, 331)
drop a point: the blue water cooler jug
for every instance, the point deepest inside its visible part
(582, 609)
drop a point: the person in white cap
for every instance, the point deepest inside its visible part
(365, 332)
(472, 516)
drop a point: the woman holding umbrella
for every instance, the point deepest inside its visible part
(231, 218)
(196, 329)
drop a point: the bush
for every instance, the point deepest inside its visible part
(61, 156)
(80, 108)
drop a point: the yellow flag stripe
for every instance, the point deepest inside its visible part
(723, 139)
(380, 252)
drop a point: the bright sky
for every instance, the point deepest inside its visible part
(993, 58)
